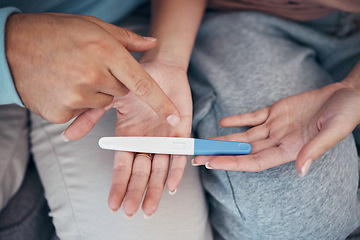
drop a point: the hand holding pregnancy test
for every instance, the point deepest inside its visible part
(175, 145)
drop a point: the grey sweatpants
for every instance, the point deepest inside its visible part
(245, 61)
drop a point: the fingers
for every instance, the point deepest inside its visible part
(111, 87)
(130, 40)
(121, 174)
(318, 145)
(260, 161)
(159, 173)
(83, 124)
(133, 177)
(137, 80)
(177, 168)
(261, 145)
(251, 135)
(137, 184)
(247, 119)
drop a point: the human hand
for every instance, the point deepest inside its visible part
(134, 118)
(64, 64)
(301, 127)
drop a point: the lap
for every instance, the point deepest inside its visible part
(246, 66)
(76, 176)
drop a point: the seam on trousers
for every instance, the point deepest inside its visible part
(233, 195)
(217, 109)
(62, 177)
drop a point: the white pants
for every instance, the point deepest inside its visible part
(76, 176)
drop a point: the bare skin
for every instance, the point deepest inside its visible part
(174, 24)
(135, 118)
(299, 128)
(64, 64)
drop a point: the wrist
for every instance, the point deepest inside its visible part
(166, 57)
(353, 79)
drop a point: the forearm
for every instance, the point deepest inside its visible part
(175, 24)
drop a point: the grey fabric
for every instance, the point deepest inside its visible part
(26, 215)
(245, 61)
(14, 153)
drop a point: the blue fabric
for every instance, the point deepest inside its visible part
(107, 10)
(8, 92)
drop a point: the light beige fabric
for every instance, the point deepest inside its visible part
(77, 175)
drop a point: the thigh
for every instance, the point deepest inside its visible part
(14, 150)
(247, 66)
(76, 176)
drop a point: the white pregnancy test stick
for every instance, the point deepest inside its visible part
(173, 145)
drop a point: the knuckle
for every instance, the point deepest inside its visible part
(140, 173)
(99, 46)
(74, 101)
(156, 189)
(258, 164)
(59, 118)
(95, 77)
(121, 167)
(89, 78)
(143, 87)
(125, 32)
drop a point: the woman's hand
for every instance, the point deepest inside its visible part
(136, 119)
(301, 127)
(132, 176)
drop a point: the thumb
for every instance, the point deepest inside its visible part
(317, 146)
(83, 124)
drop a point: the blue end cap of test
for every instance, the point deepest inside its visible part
(216, 147)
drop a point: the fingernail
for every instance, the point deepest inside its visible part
(128, 216)
(113, 211)
(305, 168)
(172, 192)
(173, 120)
(64, 137)
(146, 216)
(150, 39)
(193, 163)
(207, 165)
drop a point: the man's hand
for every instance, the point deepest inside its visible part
(132, 176)
(301, 127)
(64, 64)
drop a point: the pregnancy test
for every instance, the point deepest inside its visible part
(174, 145)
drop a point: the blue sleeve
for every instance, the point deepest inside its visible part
(8, 93)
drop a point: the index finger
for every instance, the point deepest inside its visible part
(128, 71)
(257, 162)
